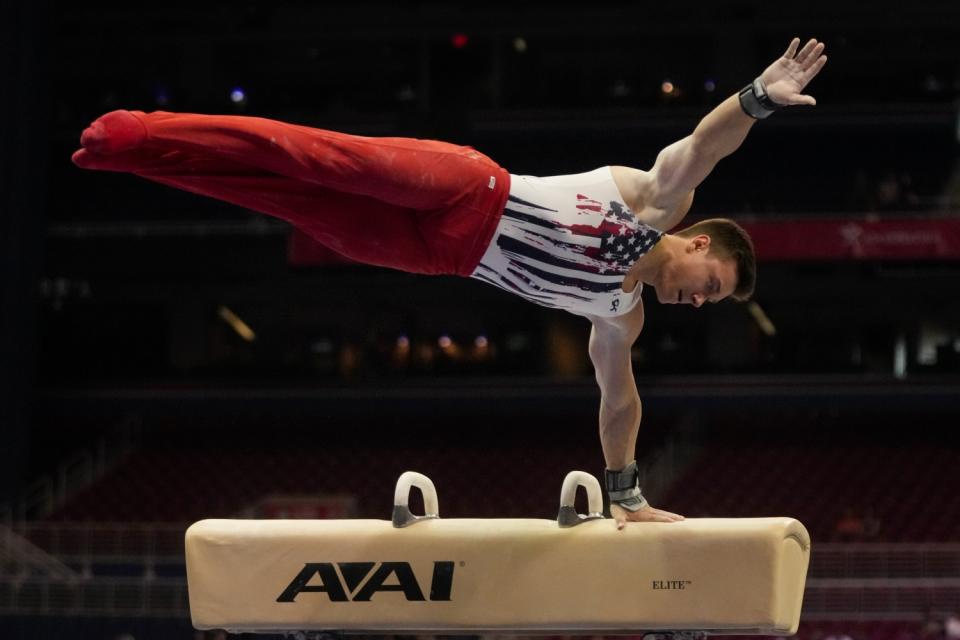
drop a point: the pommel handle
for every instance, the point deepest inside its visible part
(568, 516)
(402, 516)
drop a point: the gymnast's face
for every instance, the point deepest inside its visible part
(694, 276)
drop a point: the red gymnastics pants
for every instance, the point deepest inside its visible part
(421, 206)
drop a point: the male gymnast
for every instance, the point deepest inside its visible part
(584, 243)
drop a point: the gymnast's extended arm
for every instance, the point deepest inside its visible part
(683, 165)
(620, 406)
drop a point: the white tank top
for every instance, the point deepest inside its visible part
(567, 242)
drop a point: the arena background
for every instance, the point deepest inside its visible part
(167, 358)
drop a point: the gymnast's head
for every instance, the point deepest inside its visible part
(707, 262)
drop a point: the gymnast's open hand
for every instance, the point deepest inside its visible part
(647, 514)
(787, 77)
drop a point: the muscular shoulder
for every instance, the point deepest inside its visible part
(638, 190)
(634, 185)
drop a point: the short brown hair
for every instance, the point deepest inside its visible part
(728, 240)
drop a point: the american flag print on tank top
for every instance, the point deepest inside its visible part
(567, 242)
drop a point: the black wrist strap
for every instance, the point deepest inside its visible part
(755, 102)
(623, 487)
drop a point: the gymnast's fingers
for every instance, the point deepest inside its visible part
(672, 517)
(656, 515)
(620, 515)
(647, 514)
(792, 49)
(814, 56)
(806, 51)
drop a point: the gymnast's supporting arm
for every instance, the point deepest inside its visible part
(620, 406)
(683, 165)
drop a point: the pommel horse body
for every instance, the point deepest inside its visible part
(426, 574)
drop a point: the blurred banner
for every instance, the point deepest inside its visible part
(816, 239)
(839, 239)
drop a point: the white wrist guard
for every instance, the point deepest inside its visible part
(623, 487)
(755, 102)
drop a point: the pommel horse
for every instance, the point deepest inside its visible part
(426, 574)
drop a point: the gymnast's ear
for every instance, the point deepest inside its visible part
(700, 242)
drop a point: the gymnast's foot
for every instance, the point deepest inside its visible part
(114, 132)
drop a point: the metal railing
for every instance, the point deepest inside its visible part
(845, 581)
(20, 557)
(167, 597)
(888, 560)
(879, 599)
(126, 597)
(123, 542)
(97, 548)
